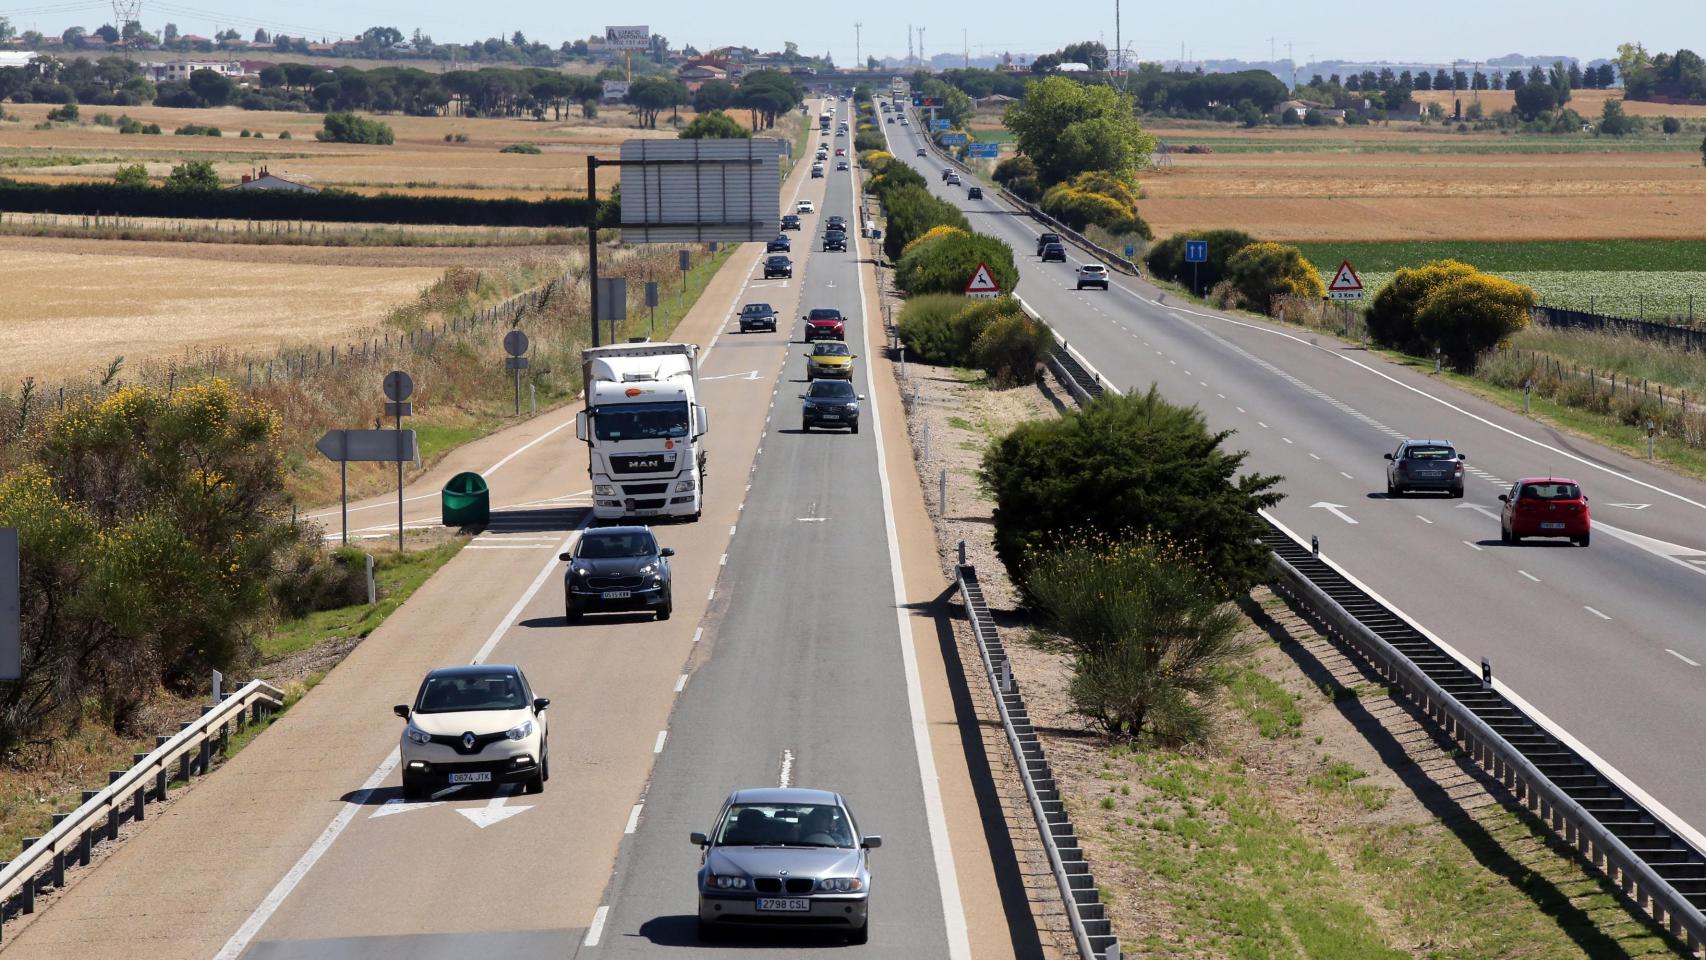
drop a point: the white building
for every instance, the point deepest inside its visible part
(163, 72)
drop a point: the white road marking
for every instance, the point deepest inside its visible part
(1221, 396)
(787, 777)
(680, 683)
(493, 812)
(1286, 439)
(658, 746)
(1692, 663)
(1336, 509)
(724, 561)
(1346, 475)
(697, 633)
(935, 819)
(1596, 613)
(634, 818)
(731, 531)
(1424, 519)
(1529, 575)
(1630, 506)
(397, 805)
(711, 596)
(1314, 457)
(1239, 409)
(596, 930)
(508, 546)
(1472, 546)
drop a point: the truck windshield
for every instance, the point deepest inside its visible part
(641, 421)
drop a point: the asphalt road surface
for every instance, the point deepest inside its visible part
(1607, 641)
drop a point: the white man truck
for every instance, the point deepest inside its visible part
(644, 428)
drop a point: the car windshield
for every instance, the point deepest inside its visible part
(455, 693)
(829, 350)
(757, 308)
(603, 545)
(778, 260)
(1551, 490)
(641, 421)
(832, 390)
(1430, 453)
(790, 825)
(823, 314)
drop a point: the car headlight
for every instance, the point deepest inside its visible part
(683, 486)
(648, 569)
(840, 885)
(416, 734)
(853, 406)
(520, 731)
(724, 882)
(582, 571)
(603, 490)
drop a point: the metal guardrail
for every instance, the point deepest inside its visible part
(1082, 901)
(1656, 868)
(41, 865)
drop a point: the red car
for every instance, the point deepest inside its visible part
(1545, 507)
(825, 323)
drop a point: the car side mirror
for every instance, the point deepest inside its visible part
(1463, 456)
(871, 843)
(1387, 455)
(1504, 498)
(853, 357)
(401, 710)
(565, 556)
(699, 839)
(540, 703)
(667, 552)
(862, 396)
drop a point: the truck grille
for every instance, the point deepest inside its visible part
(642, 463)
(635, 488)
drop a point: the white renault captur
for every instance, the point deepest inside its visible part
(479, 724)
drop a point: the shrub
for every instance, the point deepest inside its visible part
(134, 175)
(946, 264)
(1261, 271)
(911, 212)
(244, 134)
(344, 127)
(198, 130)
(1014, 168)
(931, 234)
(307, 579)
(1391, 316)
(1166, 259)
(1012, 347)
(527, 148)
(1129, 465)
(869, 140)
(66, 113)
(152, 130)
(1671, 125)
(1468, 316)
(284, 134)
(926, 328)
(194, 176)
(1150, 638)
(104, 120)
(1081, 208)
(715, 125)
(126, 126)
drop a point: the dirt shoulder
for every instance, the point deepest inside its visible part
(1326, 818)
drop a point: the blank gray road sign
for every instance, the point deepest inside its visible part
(398, 386)
(365, 446)
(515, 343)
(612, 299)
(686, 260)
(11, 609)
(651, 293)
(681, 191)
(515, 363)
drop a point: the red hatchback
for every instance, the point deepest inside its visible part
(1545, 507)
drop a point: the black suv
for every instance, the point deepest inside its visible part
(1045, 239)
(836, 222)
(754, 316)
(779, 245)
(1055, 251)
(778, 266)
(790, 222)
(617, 568)
(975, 193)
(835, 240)
(830, 403)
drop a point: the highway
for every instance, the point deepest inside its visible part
(791, 655)
(1605, 641)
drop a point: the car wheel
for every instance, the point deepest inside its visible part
(855, 426)
(545, 761)
(572, 613)
(1504, 534)
(1390, 491)
(667, 609)
(412, 788)
(805, 426)
(1457, 493)
(1582, 540)
(536, 783)
(861, 936)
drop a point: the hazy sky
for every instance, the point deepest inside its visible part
(1209, 29)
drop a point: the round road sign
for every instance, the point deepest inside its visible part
(398, 386)
(515, 343)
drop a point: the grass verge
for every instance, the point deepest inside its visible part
(398, 577)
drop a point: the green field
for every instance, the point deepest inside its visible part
(1470, 143)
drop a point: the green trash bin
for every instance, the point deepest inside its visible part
(467, 501)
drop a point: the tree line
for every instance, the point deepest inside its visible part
(1665, 77)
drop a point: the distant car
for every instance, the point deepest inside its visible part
(1424, 465)
(805, 206)
(779, 245)
(756, 316)
(891, 119)
(921, 151)
(841, 133)
(790, 222)
(946, 173)
(785, 856)
(904, 122)
(825, 323)
(1045, 239)
(480, 724)
(817, 171)
(841, 151)
(1054, 252)
(974, 193)
(953, 179)
(778, 266)
(831, 360)
(830, 403)
(835, 221)
(835, 240)
(616, 569)
(841, 164)
(1549, 507)
(1092, 275)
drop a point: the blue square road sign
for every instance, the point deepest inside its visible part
(1196, 251)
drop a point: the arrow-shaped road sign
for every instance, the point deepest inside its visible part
(1336, 509)
(352, 446)
(493, 812)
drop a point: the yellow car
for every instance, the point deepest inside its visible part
(831, 360)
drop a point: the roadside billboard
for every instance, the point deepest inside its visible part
(616, 90)
(628, 38)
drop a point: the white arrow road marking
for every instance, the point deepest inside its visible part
(1630, 506)
(787, 776)
(399, 805)
(1336, 509)
(494, 811)
(1478, 508)
(748, 375)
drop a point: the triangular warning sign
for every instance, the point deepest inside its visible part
(982, 282)
(1346, 280)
